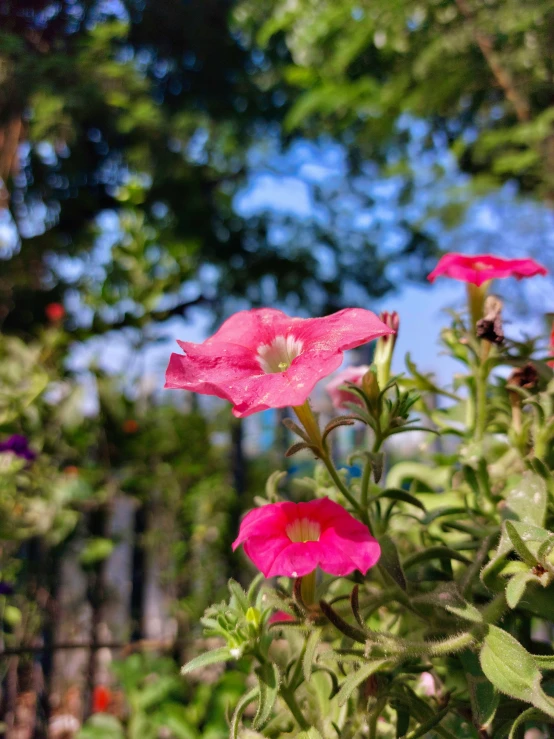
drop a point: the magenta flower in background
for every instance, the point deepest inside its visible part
(292, 539)
(339, 396)
(280, 616)
(262, 359)
(484, 267)
(551, 347)
(18, 445)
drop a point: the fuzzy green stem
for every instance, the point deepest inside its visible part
(481, 402)
(288, 696)
(476, 302)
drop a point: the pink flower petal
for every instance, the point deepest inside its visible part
(263, 359)
(350, 374)
(341, 543)
(481, 268)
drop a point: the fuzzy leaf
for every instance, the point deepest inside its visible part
(512, 670)
(208, 658)
(268, 688)
(531, 714)
(519, 545)
(311, 646)
(336, 422)
(238, 593)
(483, 696)
(296, 429)
(516, 587)
(299, 446)
(246, 699)
(390, 561)
(356, 678)
(272, 484)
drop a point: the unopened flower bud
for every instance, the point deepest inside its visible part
(370, 385)
(253, 616)
(385, 347)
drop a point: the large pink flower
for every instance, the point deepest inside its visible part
(339, 396)
(292, 539)
(262, 359)
(484, 267)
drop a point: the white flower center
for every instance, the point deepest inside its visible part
(278, 356)
(303, 529)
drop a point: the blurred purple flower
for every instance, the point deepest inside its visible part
(5, 588)
(18, 445)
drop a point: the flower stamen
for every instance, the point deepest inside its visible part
(303, 530)
(279, 355)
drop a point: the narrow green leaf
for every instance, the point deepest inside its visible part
(400, 495)
(519, 545)
(531, 714)
(246, 699)
(356, 678)
(268, 688)
(272, 484)
(309, 654)
(208, 658)
(239, 594)
(296, 429)
(424, 728)
(300, 446)
(483, 695)
(434, 553)
(516, 587)
(390, 561)
(336, 422)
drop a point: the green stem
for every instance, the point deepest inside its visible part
(290, 700)
(311, 426)
(307, 588)
(481, 401)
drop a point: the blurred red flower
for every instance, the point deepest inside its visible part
(55, 312)
(101, 698)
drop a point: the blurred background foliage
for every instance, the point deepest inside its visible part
(134, 136)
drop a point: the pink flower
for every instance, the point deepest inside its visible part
(292, 539)
(280, 616)
(484, 267)
(338, 395)
(262, 359)
(551, 347)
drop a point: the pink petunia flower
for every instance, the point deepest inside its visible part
(262, 359)
(292, 539)
(551, 347)
(339, 396)
(280, 616)
(484, 267)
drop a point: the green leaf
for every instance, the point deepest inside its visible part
(272, 484)
(246, 699)
(519, 545)
(102, 726)
(512, 670)
(390, 561)
(96, 550)
(526, 501)
(356, 678)
(531, 714)
(300, 446)
(483, 696)
(222, 654)
(433, 478)
(309, 654)
(336, 422)
(238, 593)
(402, 495)
(268, 688)
(426, 727)
(516, 587)
(434, 553)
